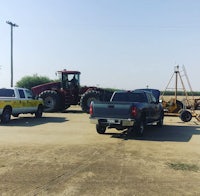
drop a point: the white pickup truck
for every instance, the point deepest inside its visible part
(15, 101)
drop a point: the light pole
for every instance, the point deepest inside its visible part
(11, 27)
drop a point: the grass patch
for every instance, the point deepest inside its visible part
(184, 167)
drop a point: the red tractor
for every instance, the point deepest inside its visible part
(60, 95)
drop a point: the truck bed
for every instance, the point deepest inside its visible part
(112, 110)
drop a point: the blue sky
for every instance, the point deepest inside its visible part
(119, 44)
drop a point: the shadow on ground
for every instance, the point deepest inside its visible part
(73, 111)
(165, 133)
(32, 121)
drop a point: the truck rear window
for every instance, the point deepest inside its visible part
(7, 93)
(129, 97)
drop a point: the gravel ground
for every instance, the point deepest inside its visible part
(61, 154)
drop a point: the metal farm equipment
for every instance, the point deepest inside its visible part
(185, 109)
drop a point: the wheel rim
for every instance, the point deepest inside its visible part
(49, 102)
(186, 116)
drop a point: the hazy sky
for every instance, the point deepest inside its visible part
(114, 43)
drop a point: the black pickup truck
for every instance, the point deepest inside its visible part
(131, 110)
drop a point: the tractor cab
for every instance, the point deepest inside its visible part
(70, 80)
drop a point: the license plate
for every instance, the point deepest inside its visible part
(113, 121)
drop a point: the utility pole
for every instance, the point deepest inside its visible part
(11, 62)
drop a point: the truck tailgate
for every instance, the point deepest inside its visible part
(112, 110)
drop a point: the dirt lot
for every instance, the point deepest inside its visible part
(61, 154)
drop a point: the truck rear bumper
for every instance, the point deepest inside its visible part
(111, 121)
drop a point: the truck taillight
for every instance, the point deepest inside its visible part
(91, 109)
(134, 111)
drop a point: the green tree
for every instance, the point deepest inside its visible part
(30, 81)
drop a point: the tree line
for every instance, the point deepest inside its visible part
(31, 81)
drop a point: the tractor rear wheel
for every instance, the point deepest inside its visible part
(51, 100)
(87, 98)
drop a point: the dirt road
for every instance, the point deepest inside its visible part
(61, 154)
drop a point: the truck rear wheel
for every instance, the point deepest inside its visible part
(51, 100)
(5, 117)
(100, 129)
(140, 127)
(87, 98)
(39, 112)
